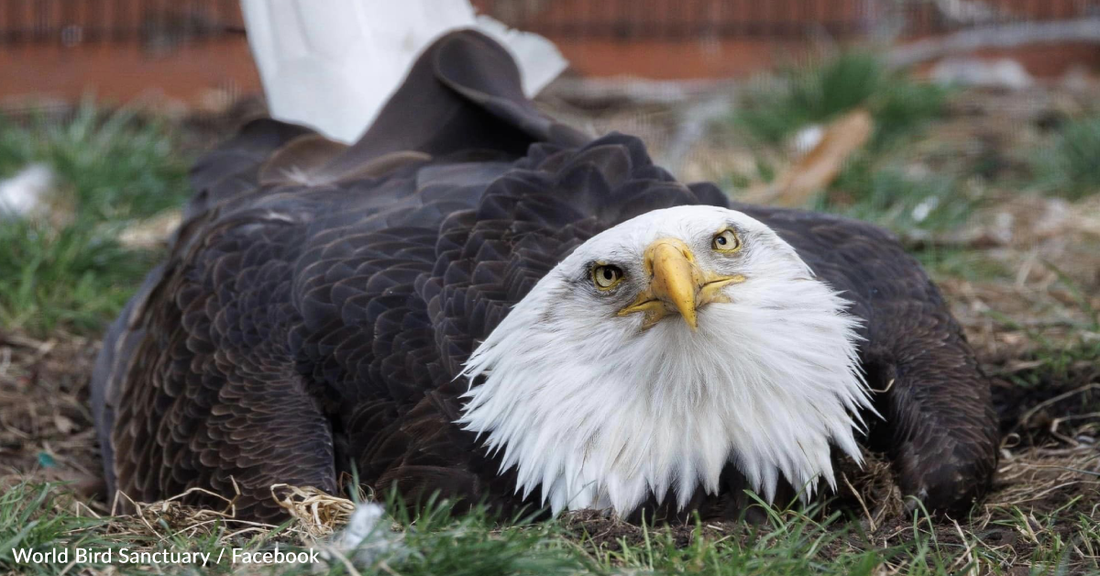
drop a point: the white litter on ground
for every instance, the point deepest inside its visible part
(365, 539)
(26, 193)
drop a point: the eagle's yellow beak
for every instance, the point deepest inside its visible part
(677, 284)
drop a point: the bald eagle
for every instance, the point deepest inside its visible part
(477, 301)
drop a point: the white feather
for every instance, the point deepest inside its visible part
(601, 413)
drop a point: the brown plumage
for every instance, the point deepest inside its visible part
(319, 301)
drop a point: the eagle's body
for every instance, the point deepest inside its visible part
(320, 306)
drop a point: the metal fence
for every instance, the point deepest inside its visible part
(167, 23)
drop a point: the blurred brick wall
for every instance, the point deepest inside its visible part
(206, 75)
(194, 52)
(190, 52)
(670, 39)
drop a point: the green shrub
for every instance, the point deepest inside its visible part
(883, 193)
(1072, 167)
(821, 91)
(111, 168)
(118, 165)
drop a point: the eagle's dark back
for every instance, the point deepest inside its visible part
(319, 301)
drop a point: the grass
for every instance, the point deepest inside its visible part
(871, 189)
(962, 263)
(822, 90)
(436, 542)
(112, 168)
(40, 517)
(116, 164)
(73, 278)
(1059, 356)
(1071, 168)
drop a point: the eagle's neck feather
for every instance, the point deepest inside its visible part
(601, 414)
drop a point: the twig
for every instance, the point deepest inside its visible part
(1027, 415)
(862, 504)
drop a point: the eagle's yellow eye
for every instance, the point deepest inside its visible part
(606, 277)
(726, 241)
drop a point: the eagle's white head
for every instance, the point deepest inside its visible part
(659, 351)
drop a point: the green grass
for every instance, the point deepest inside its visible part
(963, 263)
(43, 517)
(1059, 359)
(820, 91)
(77, 277)
(879, 192)
(112, 168)
(1071, 168)
(37, 516)
(436, 542)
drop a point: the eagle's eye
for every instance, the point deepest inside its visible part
(606, 276)
(726, 241)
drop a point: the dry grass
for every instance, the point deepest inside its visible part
(318, 513)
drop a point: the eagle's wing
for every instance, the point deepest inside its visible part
(320, 300)
(293, 311)
(939, 425)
